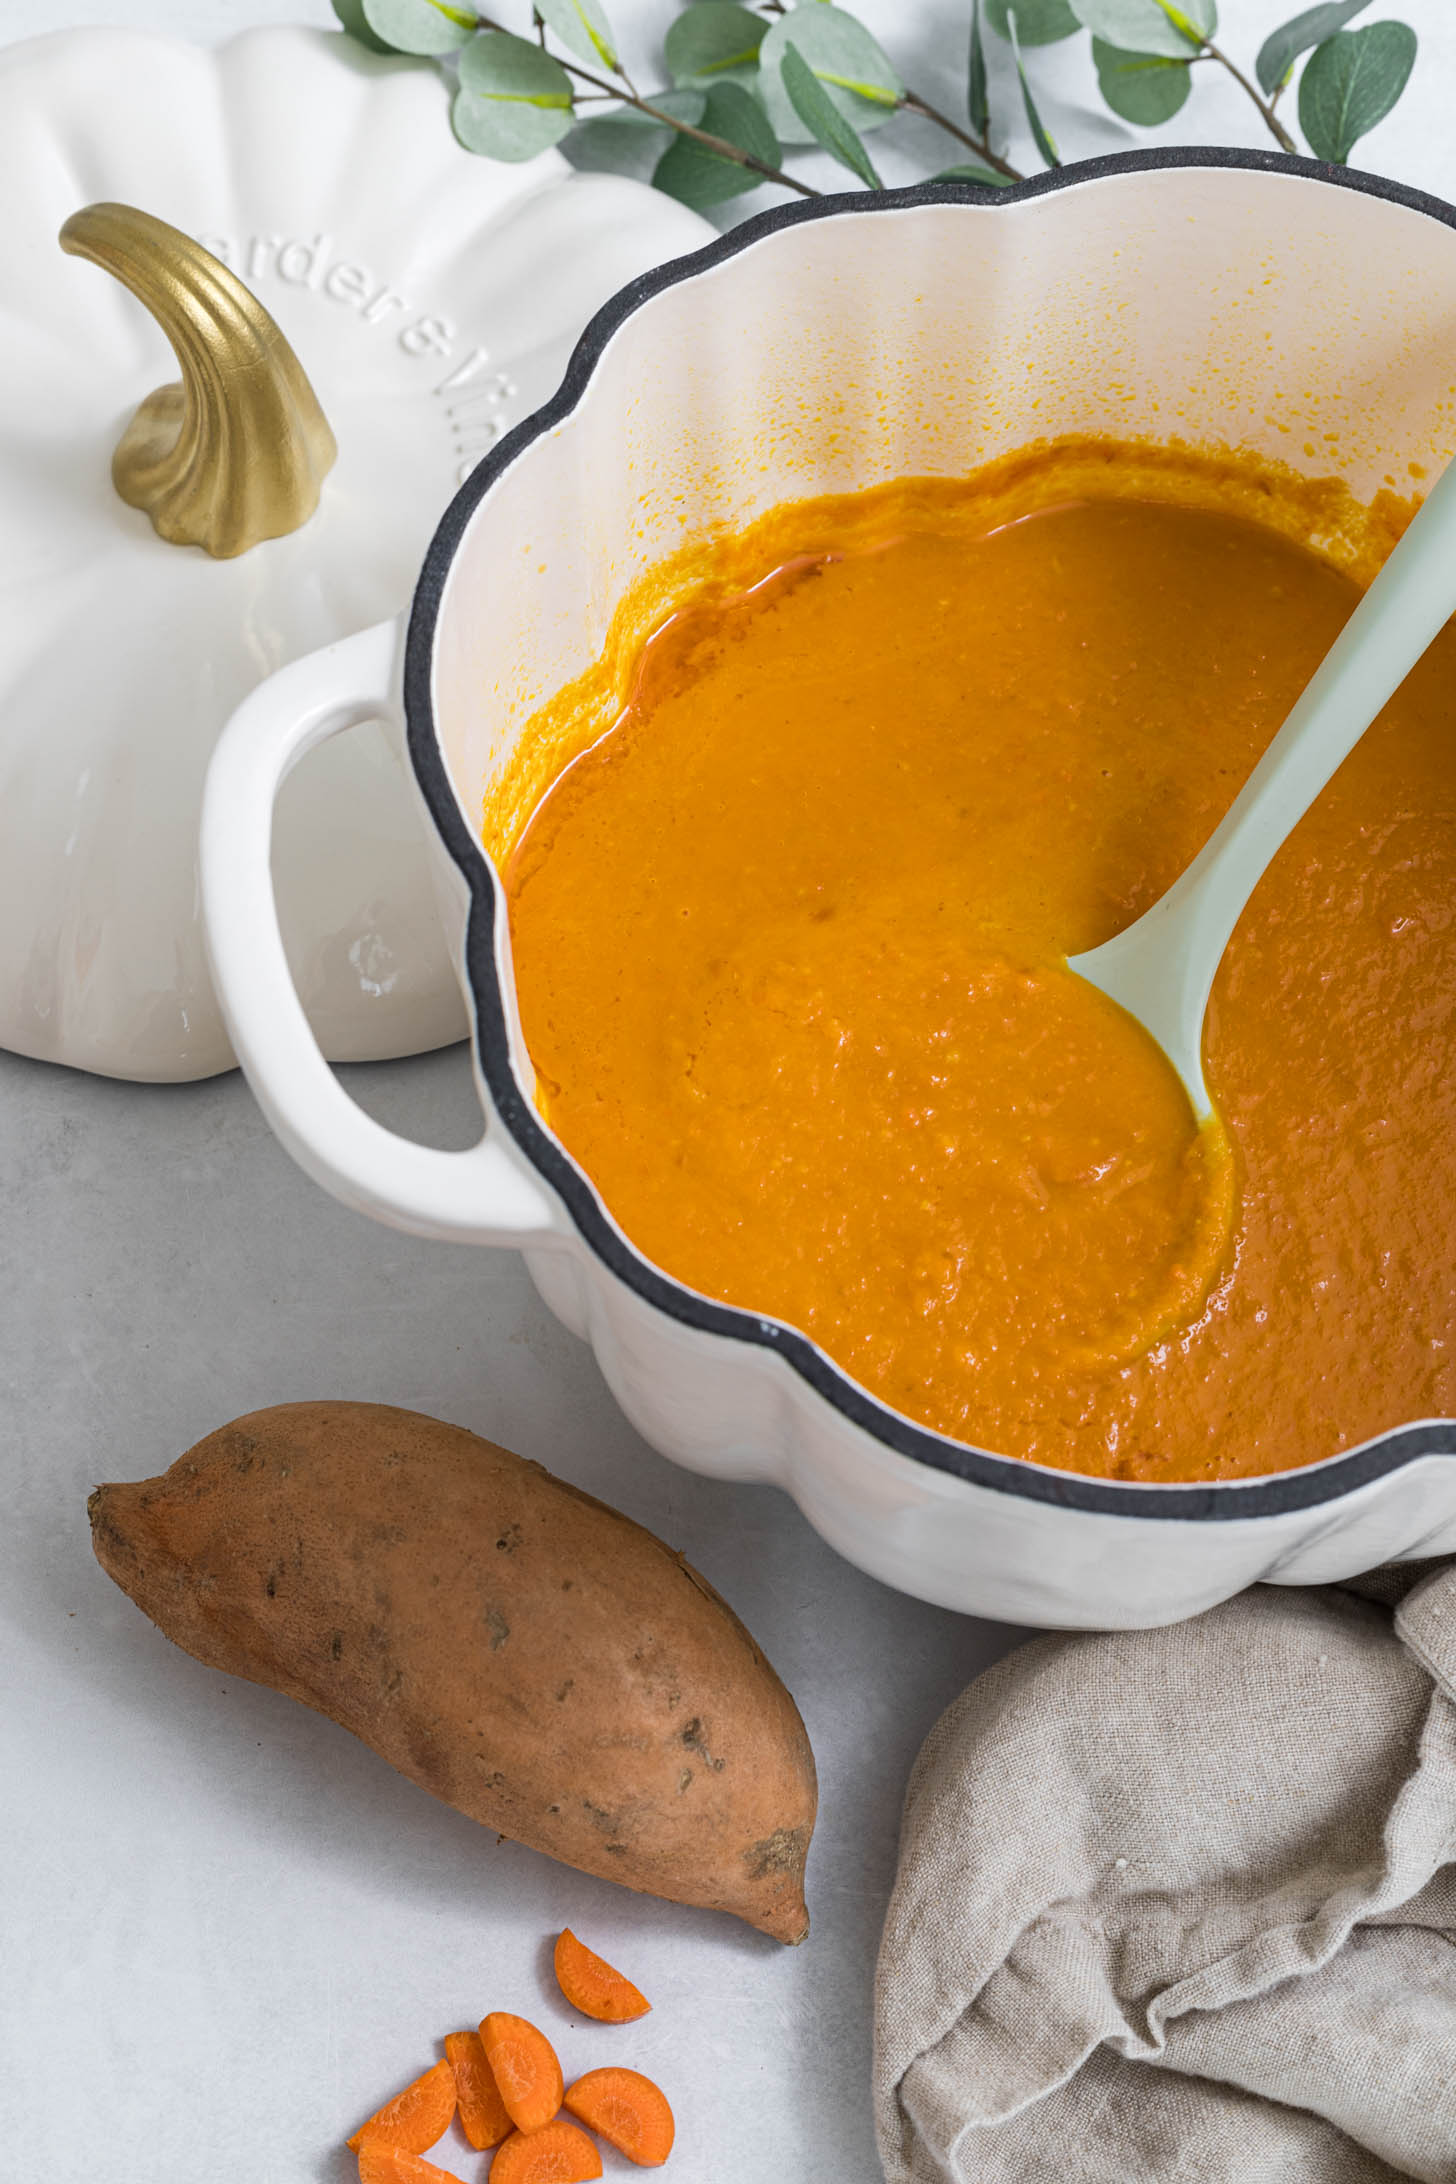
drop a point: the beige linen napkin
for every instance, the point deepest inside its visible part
(1175, 1906)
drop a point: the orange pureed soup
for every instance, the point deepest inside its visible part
(790, 943)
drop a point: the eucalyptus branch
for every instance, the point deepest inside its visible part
(912, 103)
(719, 146)
(1275, 126)
(515, 96)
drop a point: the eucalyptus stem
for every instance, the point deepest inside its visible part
(912, 103)
(719, 146)
(1275, 126)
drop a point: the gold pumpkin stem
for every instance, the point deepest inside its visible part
(239, 450)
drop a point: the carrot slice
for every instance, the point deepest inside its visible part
(524, 2066)
(381, 2163)
(591, 1985)
(558, 2155)
(415, 2118)
(628, 2111)
(483, 2115)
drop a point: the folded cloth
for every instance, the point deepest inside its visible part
(1177, 1907)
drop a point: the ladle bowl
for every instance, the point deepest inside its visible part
(1161, 968)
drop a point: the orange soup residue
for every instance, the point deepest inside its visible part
(790, 943)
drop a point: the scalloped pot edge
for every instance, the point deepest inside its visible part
(1312, 305)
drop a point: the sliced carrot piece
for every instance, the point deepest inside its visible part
(483, 2115)
(524, 2066)
(558, 2155)
(415, 2118)
(628, 2111)
(591, 1985)
(381, 2163)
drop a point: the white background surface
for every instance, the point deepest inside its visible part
(229, 1930)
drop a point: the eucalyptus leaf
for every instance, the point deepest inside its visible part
(1282, 48)
(582, 27)
(514, 100)
(351, 15)
(1350, 83)
(714, 38)
(818, 112)
(504, 131)
(1141, 87)
(1038, 22)
(695, 176)
(1041, 135)
(978, 94)
(1150, 26)
(420, 26)
(984, 178)
(857, 75)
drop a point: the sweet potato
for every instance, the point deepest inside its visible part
(518, 1649)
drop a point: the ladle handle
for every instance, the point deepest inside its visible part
(1162, 967)
(485, 1195)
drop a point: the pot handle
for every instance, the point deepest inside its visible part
(485, 1195)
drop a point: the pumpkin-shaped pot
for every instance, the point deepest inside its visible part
(432, 298)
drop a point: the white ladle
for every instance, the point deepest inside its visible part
(1161, 967)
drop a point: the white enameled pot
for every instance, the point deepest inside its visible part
(1223, 298)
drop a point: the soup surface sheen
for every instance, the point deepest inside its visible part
(789, 943)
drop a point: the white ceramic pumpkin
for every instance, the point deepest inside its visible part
(432, 298)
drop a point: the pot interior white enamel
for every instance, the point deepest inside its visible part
(1218, 298)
